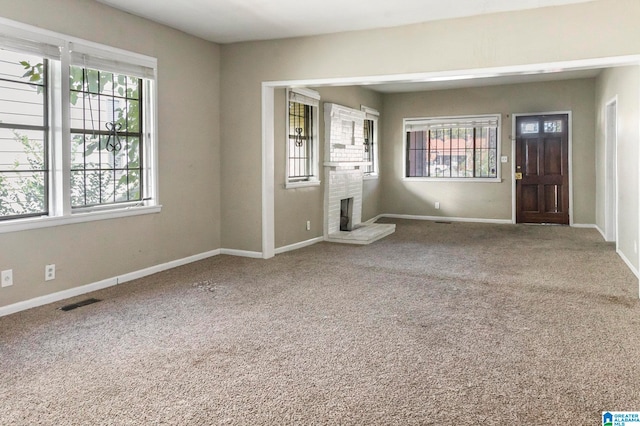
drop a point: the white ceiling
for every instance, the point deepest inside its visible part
(228, 21)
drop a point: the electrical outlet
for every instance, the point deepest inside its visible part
(7, 278)
(437, 205)
(50, 272)
(308, 225)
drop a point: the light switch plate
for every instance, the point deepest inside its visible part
(504, 159)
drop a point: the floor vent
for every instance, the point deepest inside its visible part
(79, 304)
(444, 222)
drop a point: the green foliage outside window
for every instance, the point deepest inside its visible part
(110, 177)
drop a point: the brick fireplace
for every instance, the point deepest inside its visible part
(344, 153)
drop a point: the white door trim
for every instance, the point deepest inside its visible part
(611, 173)
(268, 172)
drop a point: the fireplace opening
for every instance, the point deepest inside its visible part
(346, 214)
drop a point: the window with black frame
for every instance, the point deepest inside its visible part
(454, 147)
(106, 137)
(369, 147)
(300, 141)
(302, 147)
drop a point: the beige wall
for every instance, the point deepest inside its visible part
(188, 149)
(293, 207)
(486, 200)
(506, 39)
(623, 83)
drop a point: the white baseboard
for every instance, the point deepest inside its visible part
(299, 245)
(604, 237)
(242, 253)
(163, 267)
(618, 252)
(629, 264)
(109, 282)
(374, 219)
(56, 297)
(584, 225)
(446, 218)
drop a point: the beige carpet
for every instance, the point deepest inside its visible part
(436, 324)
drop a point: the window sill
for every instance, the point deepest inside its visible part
(46, 221)
(373, 176)
(301, 184)
(460, 180)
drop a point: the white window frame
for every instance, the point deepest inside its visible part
(312, 98)
(426, 121)
(373, 115)
(12, 35)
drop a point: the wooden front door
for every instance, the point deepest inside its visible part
(542, 169)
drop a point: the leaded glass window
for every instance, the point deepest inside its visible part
(106, 137)
(301, 145)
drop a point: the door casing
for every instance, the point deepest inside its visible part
(611, 171)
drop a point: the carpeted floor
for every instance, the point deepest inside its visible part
(436, 324)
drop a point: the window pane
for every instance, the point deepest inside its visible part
(77, 82)
(529, 127)
(133, 116)
(77, 188)
(300, 141)
(133, 153)
(93, 81)
(553, 126)
(106, 83)
(133, 184)
(22, 90)
(368, 151)
(105, 145)
(132, 88)
(85, 112)
(22, 67)
(108, 186)
(23, 151)
(22, 193)
(77, 152)
(418, 155)
(456, 151)
(21, 103)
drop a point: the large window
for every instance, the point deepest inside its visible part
(76, 131)
(452, 147)
(302, 144)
